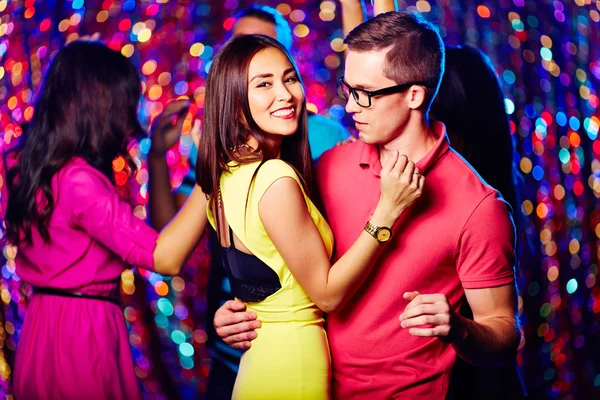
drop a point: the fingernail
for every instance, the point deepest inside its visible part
(252, 335)
(403, 324)
(257, 324)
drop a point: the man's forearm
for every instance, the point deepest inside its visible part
(161, 202)
(490, 342)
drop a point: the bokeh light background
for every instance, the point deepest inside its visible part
(547, 56)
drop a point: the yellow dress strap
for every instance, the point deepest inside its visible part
(243, 216)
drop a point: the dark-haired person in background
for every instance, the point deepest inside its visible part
(442, 251)
(323, 134)
(75, 235)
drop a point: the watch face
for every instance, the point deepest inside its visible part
(384, 234)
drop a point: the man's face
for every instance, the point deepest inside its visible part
(254, 26)
(387, 116)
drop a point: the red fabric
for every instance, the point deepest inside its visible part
(459, 234)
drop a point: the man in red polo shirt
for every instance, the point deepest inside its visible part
(400, 333)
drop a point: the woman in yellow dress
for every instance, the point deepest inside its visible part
(255, 167)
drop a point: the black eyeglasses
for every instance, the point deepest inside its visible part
(363, 97)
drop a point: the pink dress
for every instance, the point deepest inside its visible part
(78, 348)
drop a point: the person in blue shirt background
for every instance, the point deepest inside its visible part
(323, 134)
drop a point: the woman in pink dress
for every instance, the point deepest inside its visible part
(75, 235)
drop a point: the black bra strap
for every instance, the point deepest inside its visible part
(231, 242)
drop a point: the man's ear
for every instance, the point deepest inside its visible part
(416, 97)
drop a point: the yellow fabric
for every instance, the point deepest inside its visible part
(289, 359)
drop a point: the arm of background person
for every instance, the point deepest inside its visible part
(161, 201)
(182, 230)
(354, 12)
(163, 204)
(382, 6)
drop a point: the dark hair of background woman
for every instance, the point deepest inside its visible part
(86, 107)
(470, 103)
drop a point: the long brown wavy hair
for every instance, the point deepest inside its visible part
(228, 122)
(87, 107)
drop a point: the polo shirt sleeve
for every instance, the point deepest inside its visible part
(486, 255)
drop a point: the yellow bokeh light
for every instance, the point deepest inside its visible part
(552, 273)
(197, 49)
(328, 6)
(155, 92)
(574, 246)
(546, 41)
(546, 236)
(5, 296)
(12, 103)
(284, 9)
(137, 28)
(525, 165)
(102, 16)
(164, 78)
(423, 6)
(127, 50)
(63, 25)
(559, 192)
(338, 45)
(513, 15)
(326, 15)
(301, 30)
(75, 19)
(527, 207)
(144, 35)
(149, 67)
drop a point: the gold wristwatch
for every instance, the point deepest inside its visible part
(381, 233)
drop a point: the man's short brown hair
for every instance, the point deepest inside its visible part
(416, 50)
